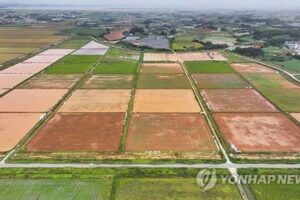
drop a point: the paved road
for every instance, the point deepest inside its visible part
(174, 166)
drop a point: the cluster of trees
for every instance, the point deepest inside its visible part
(251, 51)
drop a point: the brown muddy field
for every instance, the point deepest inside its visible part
(161, 68)
(25, 68)
(49, 81)
(296, 116)
(44, 59)
(237, 100)
(251, 68)
(169, 132)
(219, 81)
(22, 100)
(165, 101)
(14, 126)
(265, 132)
(97, 101)
(8, 81)
(108, 82)
(79, 132)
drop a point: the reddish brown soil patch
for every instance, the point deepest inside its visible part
(30, 100)
(251, 68)
(14, 126)
(79, 132)
(8, 81)
(165, 101)
(115, 35)
(272, 132)
(237, 100)
(169, 132)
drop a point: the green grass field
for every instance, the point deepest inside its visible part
(72, 44)
(66, 189)
(186, 42)
(208, 67)
(276, 192)
(268, 81)
(170, 188)
(162, 81)
(80, 59)
(68, 68)
(126, 67)
(292, 65)
(234, 58)
(122, 54)
(286, 99)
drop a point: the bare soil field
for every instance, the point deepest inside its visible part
(163, 81)
(14, 126)
(97, 101)
(22, 100)
(193, 56)
(237, 100)
(165, 101)
(44, 59)
(116, 34)
(50, 81)
(108, 82)
(196, 56)
(25, 68)
(79, 132)
(169, 132)
(296, 116)
(219, 81)
(159, 57)
(200, 56)
(8, 81)
(265, 132)
(251, 68)
(57, 52)
(162, 68)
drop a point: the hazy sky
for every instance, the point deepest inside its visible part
(201, 4)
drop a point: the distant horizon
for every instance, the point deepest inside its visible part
(166, 4)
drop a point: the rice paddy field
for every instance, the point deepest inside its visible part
(19, 41)
(118, 61)
(67, 189)
(274, 190)
(73, 64)
(209, 67)
(170, 188)
(244, 99)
